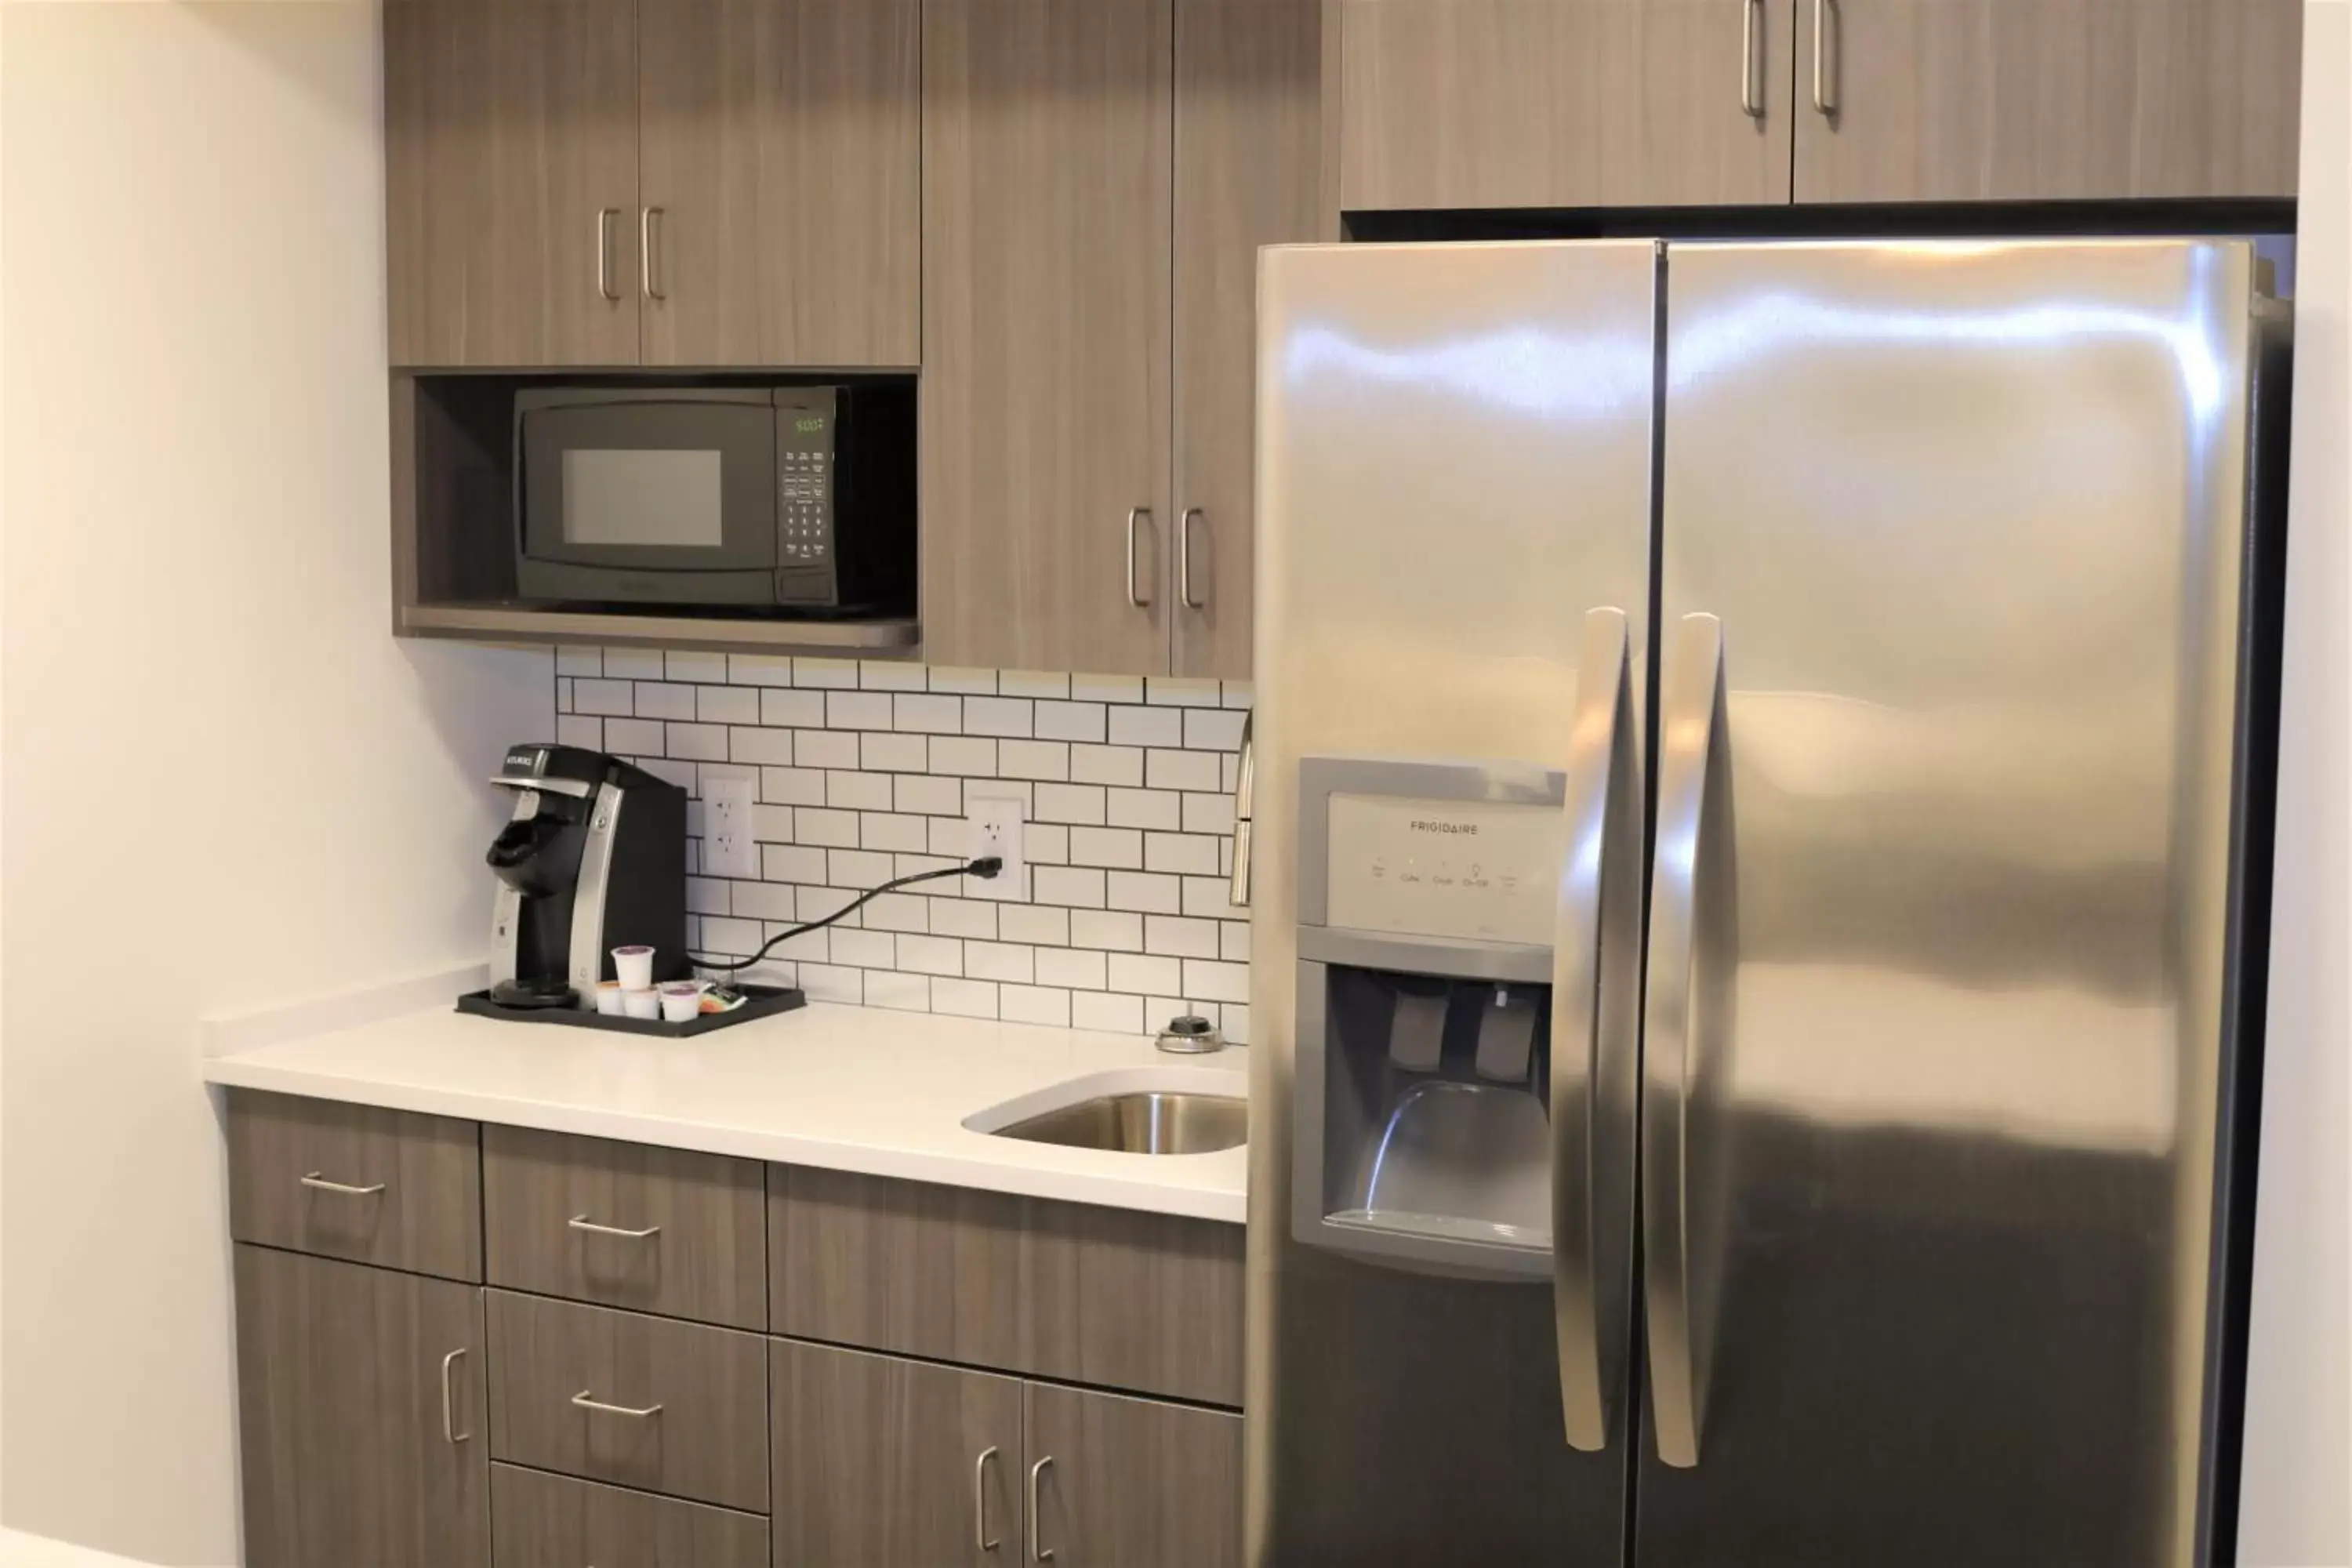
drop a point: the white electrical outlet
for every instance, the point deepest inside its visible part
(995, 825)
(728, 847)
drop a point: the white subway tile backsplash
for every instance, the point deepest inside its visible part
(634, 664)
(794, 709)
(1181, 770)
(1118, 765)
(865, 774)
(824, 748)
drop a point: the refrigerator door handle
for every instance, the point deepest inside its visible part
(1690, 912)
(1595, 962)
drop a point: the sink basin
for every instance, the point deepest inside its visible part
(1143, 1122)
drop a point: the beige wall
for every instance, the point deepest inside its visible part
(221, 779)
(2298, 1464)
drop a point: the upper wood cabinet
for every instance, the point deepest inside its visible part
(1097, 176)
(2020, 99)
(1046, 254)
(1563, 103)
(1248, 173)
(671, 182)
(511, 181)
(781, 183)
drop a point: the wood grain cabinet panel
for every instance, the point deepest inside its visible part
(1248, 173)
(553, 1521)
(1046, 258)
(360, 1415)
(1111, 1296)
(509, 127)
(1563, 103)
(563, 1216)
(783, 177)
(2026, 99)
(355, 1182)
(684, 1407)
(887, 1463)
(1133, 1483)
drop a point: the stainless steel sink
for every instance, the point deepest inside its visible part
(1141, 1123)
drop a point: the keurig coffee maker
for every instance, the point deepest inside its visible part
(594, 858)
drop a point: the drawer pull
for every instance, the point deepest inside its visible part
(449, 1400)
(582, 1221)
(584, 1400)
(1039, 1551)
(980, 1536)
(318, 1183)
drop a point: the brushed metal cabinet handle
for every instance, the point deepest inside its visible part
(1136, 516)
(1039, 1551)
(604, 217)
(1825, 93)
(1690, 900)
(449, 1401)
(1751, 66)
(1593, 1046)
(980, 1536)
(584, 1400)
(1192, 515)
(648, 249)
(318, 1183)
(581, 1222)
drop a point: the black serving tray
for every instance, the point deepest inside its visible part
(760, 1002)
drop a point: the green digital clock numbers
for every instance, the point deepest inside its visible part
(810, 427)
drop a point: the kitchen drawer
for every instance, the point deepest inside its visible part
(1111, 1296)
(627, 1225)
(358, 1182)
(552, 1522)
(665, 1407)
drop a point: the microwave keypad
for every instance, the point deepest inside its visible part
(803, 496)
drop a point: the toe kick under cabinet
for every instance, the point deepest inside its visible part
(462, 1344)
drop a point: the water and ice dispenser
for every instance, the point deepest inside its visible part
(1428, 899)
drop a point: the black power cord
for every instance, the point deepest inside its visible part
(985, 868)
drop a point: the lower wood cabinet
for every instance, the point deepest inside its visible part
(359, 1403)
(553, 1521)
(889, 1462)
(1132, 1483)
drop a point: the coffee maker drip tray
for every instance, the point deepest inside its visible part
(759, 1001)
(1457, 1161)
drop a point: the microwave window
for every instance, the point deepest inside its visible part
(655, 497)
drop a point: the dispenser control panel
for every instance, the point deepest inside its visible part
(1481, 870)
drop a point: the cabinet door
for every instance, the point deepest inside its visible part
(1514, 103)
(2018, 99)
(1046, 255)
(892, 1464)
(510, 175)
(360, 1415)
(1133, 1483)
(783, 182)
(1248, 173)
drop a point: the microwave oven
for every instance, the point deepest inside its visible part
(739, 498)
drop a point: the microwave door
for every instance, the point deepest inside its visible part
(637, 486)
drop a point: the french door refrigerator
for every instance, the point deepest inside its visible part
(1761, 821)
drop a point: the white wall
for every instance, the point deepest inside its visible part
(2298, 1462)
(224, 781)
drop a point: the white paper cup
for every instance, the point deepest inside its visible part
(633, 967)
(608, 998)
(640, 1003)
(681, 1000)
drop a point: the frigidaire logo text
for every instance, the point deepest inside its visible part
(1419, 825)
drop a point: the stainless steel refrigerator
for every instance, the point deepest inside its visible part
(1759, 839)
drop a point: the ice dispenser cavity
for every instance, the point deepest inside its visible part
(1427, 902)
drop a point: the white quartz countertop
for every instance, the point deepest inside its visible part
(848, 1089)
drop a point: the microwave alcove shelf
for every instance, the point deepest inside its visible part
(766, 513)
